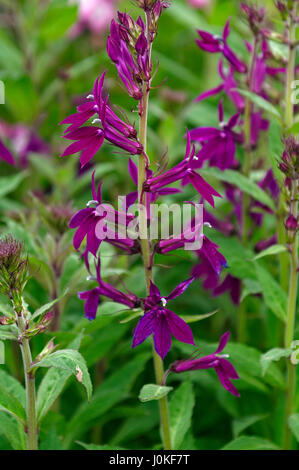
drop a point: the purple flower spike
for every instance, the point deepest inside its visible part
(224, 369)
(214, 44)
(162, 322)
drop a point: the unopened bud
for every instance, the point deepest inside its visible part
(292, 223)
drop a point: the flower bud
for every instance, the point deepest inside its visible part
(292, 223)
(13, 267)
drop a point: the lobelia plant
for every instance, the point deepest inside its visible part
(254, 92)
(129, 46)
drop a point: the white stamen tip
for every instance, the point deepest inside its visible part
(90, 97)
(96, 121)
(91, 203)
(207, 224)
(164, 302)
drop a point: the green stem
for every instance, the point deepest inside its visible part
(293, 272)
(145, 246)
(32, 438)
(242, 320)
(290, 325)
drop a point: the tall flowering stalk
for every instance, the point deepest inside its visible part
(129, 46)
(13, 277)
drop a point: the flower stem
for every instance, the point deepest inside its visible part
(293, 272)
(31, 428)
(290, 325)
(242, 320)
(145, 245)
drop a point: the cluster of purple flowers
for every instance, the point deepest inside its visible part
(128, 46)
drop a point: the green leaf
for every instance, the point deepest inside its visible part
(245, 184)
(153, 392)
(250, 443)
(115, 389)
(274, 296)
(194, 318)
(274, 354)
(98, 447)
(8, 184)
(240, 424)
(57, 19)
(261, 103)
(13, 431)
(6, 334)
(180, 411)
(53, 383)
(11, 58)
(9, 403)
(272, 250)
(294, 425)
(71, 361)
(14, 387)
(47, 307)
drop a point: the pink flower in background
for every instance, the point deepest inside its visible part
(199, 3)
(94, 15)
(22, 141)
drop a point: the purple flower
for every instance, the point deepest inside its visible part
(89, 139)
(224, 369)
(87, 220)
(183, 171)
(92, 297)
(228, 85)
(218, 145)
(128, 48)
(210, 43)
(162, 322)
(23, 141)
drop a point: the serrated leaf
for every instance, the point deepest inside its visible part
(274, 354)
(180, 412)
(68, 360)
(14, 387)
(153, 392)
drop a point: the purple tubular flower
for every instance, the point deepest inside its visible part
(224, 369)
(86, 221)
(162, 322)
(92, 297)
(218, 145)
(89, 139)
(133, 66)
(228, 85)
(214, 44)
(183, 171)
